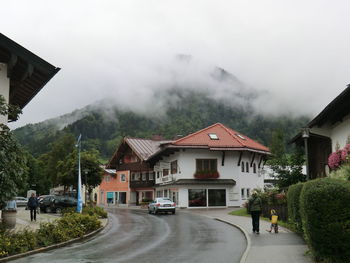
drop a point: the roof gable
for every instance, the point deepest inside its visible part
(224, 137)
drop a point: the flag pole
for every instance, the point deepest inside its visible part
(80, 202)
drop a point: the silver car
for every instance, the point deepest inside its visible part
(161, 205)
(21, 201)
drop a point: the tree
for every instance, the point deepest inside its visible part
(13, 169)
(287, 168)
(90, 170)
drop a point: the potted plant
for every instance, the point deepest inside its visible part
(9, 214)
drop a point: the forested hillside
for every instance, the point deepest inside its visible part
(102, 127)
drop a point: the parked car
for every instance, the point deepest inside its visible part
(55, 203)
(21, 201)
(161, 205)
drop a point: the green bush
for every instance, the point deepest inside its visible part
(92, 211)
(325, 212)
(293, 198)
(71, 225)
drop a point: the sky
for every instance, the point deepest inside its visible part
(295, 53)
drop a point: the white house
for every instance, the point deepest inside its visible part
(321, 136)
(22, 74)
(214, 167)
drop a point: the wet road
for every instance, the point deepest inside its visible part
(135, 236)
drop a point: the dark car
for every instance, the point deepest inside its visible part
(55, 203)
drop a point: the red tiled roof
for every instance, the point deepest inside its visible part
(227, 138)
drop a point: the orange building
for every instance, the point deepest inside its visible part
(114, 188)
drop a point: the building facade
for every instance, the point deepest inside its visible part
(322, 135)
(214, 167)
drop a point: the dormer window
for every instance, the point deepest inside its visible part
(213, 136)
(240, 136)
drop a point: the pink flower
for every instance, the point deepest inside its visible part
(345, 153)
(334, 159)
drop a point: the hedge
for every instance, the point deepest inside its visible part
(293, 201)
(325, 212)
(71, 225)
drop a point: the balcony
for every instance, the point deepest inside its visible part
(165, 179)
(139, 184)
(206, 175)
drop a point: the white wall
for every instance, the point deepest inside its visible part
(340, 132)
(4, 87)
(187, 166)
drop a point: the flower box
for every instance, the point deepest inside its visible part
(206, 175)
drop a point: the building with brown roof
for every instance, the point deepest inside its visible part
(129, 178)
(22, 74)
(323, 134)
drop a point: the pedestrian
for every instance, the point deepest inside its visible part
(255, 207)
(274, 221)
(33, 204)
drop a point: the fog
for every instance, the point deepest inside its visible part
(293, 55)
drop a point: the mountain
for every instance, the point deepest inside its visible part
(181, 112)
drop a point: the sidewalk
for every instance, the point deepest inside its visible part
(284, 247)
(23, 219)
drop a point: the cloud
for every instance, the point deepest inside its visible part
(294, 53)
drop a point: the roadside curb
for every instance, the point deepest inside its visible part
(245, 254)
(43, 249)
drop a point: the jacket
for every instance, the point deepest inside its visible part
(33, 202)
(255, 204)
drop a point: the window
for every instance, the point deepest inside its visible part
(213, 136)
(107, 178)
(144, 176)
(247, 167)
(159, 193)
(240, 136)
(151, 176)
(197, 197)
(173, 167)
(123, 178)
(242, 167)
(254, 168)
(242, 193)
(158, 174)
(133, 177)
(248, 192)
(205, 165)
(137, 177)
(165, 172)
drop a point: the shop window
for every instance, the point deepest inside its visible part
(216, 197)
(173, 167)
(197, 198)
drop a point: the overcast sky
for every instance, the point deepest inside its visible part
(298, 51)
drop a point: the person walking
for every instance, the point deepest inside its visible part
(255, 207)
(33, 204)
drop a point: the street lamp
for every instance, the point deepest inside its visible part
(80, 202)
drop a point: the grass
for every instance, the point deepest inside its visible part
(243, 212)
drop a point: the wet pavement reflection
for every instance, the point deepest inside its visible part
(136, 236)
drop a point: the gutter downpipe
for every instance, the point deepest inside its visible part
(306, 135)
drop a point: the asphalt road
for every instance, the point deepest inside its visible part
(136, 236)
